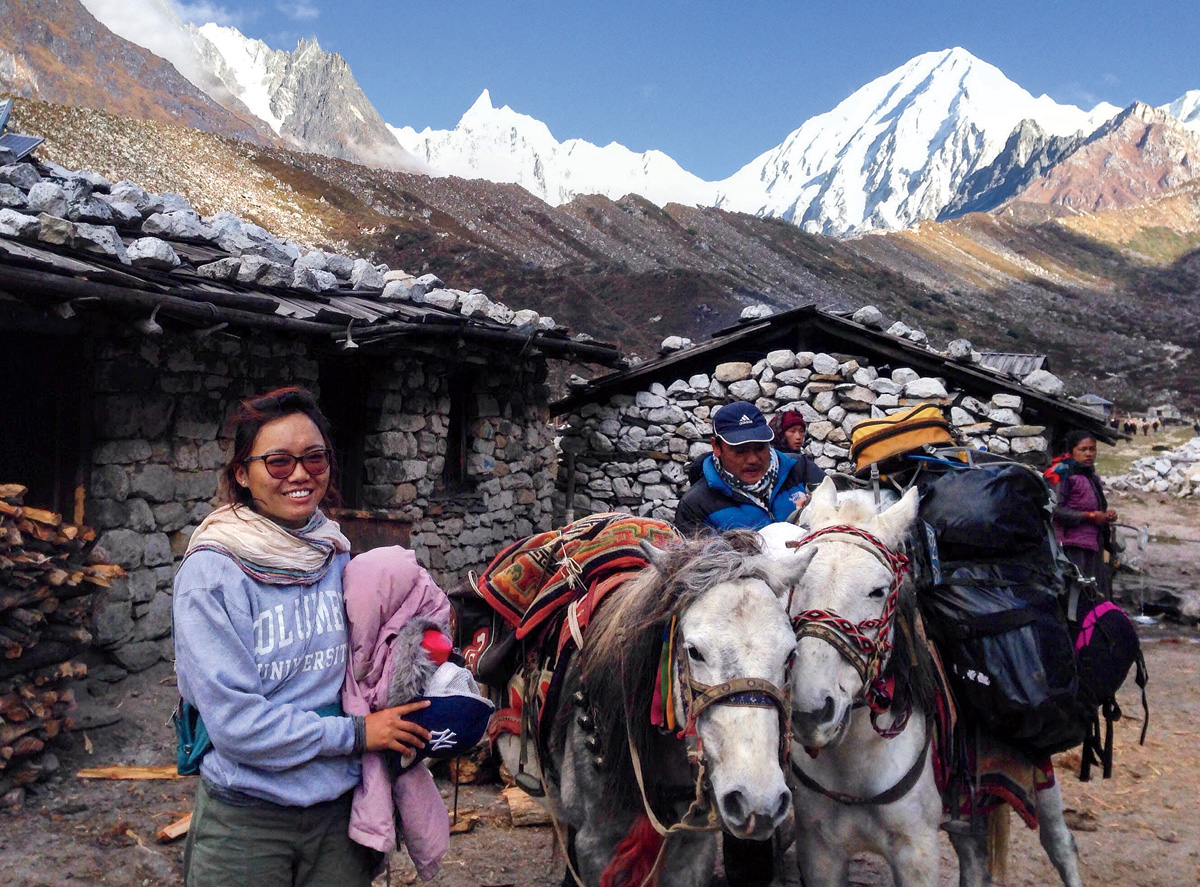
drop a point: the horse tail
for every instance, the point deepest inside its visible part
(635, 859)
(997, 843)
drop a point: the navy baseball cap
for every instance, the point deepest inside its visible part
(456, 718)
(741, 422)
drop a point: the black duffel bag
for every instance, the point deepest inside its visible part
(986, 512)
(1008, 652)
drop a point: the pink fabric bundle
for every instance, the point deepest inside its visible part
(385, 589)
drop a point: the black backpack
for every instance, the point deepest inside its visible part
(993, 604)
(1106, 648)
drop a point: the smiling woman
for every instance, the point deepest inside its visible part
(260, 652)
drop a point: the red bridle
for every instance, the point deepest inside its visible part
(868, 655)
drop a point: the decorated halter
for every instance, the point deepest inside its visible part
(675, 673)
(869, 655)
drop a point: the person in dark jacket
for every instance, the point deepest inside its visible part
(1082, 519)
(745, 483)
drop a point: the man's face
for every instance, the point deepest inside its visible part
(747, 462)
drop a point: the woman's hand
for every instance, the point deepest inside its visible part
(387, 729)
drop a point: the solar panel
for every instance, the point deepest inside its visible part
(21, 146)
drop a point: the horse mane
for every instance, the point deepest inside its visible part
(620, 658)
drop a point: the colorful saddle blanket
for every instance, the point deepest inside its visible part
(533, 578)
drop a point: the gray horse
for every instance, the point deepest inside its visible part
(615, 781)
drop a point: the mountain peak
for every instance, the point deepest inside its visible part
(483, 103)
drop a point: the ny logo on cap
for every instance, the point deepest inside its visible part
(440, 739)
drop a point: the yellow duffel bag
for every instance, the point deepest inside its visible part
(877, 440)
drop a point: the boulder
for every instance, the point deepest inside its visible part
(647, 400)
(781, 360)
(1008, 401)
(312, 280)
(1022, 431)
(525, 317)
(959, 349)
(755, 312)
(746, 389)
(917, 337)
(177, 203)
(316, 260)
(1024, 445)
(869, 316)
(400, 291)
(11, 197)
(15, 224)
(899, 328)
(125, 215)
(221, 269)
(440, 298)
(734, 371)
(20, 175)
(903, 375)
(1045, 382)
(924, 388)
(90, 209)
(824, 401)
(1004, 417)
(365, 276)
(674, 343)
(698, 382)
(48, 197)
(824, 365)
(56, 231)
(474, 305)
(178, 225)
(150, 252)
(343, 266)
(102, 240)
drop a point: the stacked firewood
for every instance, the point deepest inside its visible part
(48, 574)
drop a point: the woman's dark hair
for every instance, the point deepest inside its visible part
(249, 419)
(1075, 438)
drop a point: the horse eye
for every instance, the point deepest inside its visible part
(695, 654)
(878, 592)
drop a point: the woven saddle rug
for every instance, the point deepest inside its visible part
(534, 577)
(533, 581)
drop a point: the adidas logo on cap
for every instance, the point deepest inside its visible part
(745, 420)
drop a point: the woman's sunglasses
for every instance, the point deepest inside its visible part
(281, 465)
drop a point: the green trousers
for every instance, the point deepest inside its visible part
(268, 845)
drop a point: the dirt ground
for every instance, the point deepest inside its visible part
(1137, 829)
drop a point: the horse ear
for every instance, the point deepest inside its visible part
(783, 573)
(893, 525)
(656, 556)
(825, 497)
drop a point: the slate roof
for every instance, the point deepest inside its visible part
(124, 250)
(809, 328)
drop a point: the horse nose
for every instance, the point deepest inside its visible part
(749, 820)
(821, 716)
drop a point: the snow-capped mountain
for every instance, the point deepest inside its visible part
(501, 145)
(897, 150)
(1186, 109)
(308, 97)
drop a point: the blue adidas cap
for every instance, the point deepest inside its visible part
(741, 422)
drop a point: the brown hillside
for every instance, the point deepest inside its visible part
(56, 51)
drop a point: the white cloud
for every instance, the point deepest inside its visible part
(298, 10)
(203, 12)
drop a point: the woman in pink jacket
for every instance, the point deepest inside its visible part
(1082, 519)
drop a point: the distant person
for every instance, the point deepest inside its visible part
(745, 483)
(1083, 522)
(789, 429)
(1196, 427)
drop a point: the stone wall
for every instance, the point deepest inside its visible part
(160, 406)
(632, 452)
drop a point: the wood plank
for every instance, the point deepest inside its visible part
(121, 772)
(175, 830)
(525, 811)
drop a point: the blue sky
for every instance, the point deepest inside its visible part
(714, 84)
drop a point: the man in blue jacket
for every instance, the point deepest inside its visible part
(745, 484)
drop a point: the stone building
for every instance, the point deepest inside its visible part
(628, 437)
(132, 327)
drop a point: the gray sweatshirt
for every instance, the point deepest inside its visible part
(257, 661)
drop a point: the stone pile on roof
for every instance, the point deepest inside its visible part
(55, 212)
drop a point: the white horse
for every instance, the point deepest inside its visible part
(614, 780)
(855, 789)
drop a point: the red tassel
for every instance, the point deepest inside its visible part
(633, 858)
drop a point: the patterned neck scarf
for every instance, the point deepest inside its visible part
(267, 552)
(760, 492)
